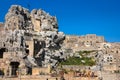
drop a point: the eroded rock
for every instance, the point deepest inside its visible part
(35, 34)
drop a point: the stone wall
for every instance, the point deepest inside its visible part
(87, 42)
(49, 78)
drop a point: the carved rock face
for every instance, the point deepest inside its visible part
(43, 21)
(36, 35)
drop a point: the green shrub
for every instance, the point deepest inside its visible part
(77, 61)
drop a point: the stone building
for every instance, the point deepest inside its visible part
(109, 56)
(87, 42)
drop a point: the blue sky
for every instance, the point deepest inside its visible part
(77, 17)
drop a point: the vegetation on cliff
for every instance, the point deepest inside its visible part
(83, 60)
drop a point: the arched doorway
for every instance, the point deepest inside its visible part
(14, 68)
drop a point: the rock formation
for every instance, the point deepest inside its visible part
(35, 34)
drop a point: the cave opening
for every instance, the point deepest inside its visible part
(2, 50)
(14, 68)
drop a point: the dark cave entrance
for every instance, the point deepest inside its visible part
(2, 50)
(14, 68)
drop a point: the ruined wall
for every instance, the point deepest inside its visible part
(87, 42)
(31, 38)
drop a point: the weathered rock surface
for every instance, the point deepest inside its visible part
(37, 27)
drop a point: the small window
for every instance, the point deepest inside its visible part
(14, 24)
(117, 51)
(111, 60)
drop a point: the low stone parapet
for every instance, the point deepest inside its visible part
(46, 77)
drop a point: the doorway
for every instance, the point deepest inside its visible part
(2, 50)
(14, 68)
